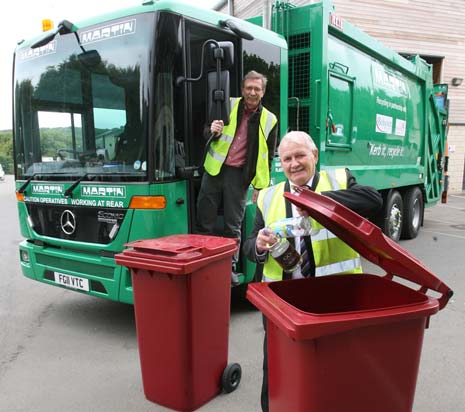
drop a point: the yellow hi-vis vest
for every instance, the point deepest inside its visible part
(219, 148)
(331, 254)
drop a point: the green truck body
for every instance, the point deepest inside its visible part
(108, 126)
(369, 109)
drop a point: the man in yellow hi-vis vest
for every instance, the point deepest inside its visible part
(239, 155)
(326, 254)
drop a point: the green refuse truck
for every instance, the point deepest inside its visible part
(109, 114)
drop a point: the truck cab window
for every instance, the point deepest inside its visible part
(64, 145)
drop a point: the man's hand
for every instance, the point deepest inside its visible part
(255, 195)
(265, 239)
(217, 127)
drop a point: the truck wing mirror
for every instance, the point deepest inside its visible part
(220, 55)
(223, 50)
(90, 58)
(218, 96)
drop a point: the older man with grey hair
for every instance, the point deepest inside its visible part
(324, 254)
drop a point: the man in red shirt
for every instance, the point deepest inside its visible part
(240, 154)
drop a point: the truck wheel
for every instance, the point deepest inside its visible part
(392, 225)
(231, 377)
(413, 213)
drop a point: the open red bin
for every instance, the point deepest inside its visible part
(182, 290)
(348, 343)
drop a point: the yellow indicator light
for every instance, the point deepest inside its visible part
(47, 24)
(19, 197)
(148, 202)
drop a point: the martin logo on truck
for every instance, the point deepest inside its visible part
(47, 189)
(109, 32)
(390, 81)
(31, 54)
(103, 191)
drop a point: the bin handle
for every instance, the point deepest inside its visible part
(169, 250)
(444, 290)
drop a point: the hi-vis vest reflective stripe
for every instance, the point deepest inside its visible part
(331, 254)
(219, 148)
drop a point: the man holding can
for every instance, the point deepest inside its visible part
(323, 254)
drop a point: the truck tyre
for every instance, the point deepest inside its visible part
(393, 210)
(413, 213)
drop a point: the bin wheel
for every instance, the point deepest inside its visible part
(231, 377)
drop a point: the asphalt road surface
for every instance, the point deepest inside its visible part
(64, 351)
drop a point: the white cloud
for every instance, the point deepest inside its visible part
(23, 20)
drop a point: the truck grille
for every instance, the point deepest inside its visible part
(84, 224)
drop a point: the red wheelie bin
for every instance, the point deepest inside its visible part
(182, 288)
(348, 343)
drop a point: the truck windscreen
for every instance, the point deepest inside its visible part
(80, 102)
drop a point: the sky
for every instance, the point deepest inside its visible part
(23, 20)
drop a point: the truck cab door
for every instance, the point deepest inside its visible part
(340, 111)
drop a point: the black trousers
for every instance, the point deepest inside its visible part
(228, 188)
(264, 394)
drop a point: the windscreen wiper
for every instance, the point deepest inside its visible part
(26, 183)
(69, 191)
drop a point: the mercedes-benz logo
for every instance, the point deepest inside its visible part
(68, 222)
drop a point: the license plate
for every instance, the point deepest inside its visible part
(72, 282)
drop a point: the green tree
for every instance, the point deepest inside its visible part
(6, 150)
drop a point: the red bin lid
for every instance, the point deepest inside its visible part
(369, 241)
(176, 254)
